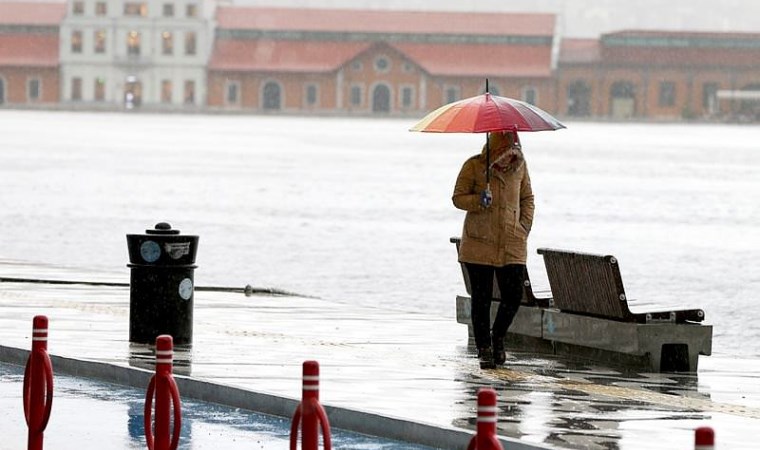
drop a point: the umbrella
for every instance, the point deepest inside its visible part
(485, 113)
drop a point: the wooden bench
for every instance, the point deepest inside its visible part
(591, 310)
(587, 316)
(584, 283)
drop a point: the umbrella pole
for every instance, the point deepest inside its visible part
(488, 163)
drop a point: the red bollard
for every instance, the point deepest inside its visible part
(310, 413)
(704, 439)
(38, 384)
(167, 396)
(485, 438)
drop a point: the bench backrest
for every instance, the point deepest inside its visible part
(588, 284)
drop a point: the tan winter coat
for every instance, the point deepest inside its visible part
(498, 235)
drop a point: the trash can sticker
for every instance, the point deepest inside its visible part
(186, 289)
(150, 251)
(177, 249)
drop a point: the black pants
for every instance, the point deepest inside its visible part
(510, 280)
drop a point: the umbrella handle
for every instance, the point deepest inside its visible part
(486, 197)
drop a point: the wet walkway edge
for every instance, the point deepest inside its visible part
(343, 418)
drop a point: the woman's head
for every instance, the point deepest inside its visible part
(500, 141)
(505, 150)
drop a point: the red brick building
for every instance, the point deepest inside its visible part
(29, 72)
(407, 62)
(388, 62)
(660, 75)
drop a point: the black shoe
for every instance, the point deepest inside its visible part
(499, 355)
(485, 355)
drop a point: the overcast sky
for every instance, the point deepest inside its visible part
(581, 18)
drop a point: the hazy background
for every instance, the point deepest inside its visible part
(579, 18)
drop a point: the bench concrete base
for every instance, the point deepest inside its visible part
(658, 347)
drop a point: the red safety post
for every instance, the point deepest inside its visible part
(309, 413)
(38, 384)
(704, 439)
(167, 396)
(485, 438)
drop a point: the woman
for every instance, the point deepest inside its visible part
(495, 235)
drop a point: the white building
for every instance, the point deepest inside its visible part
(142, 53)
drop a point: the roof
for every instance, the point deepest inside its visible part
(579, 51)
(29, 49)
(326, 56)
(480, 59)
(32, 13)
(682, 34)
(384, 21)
(282, 55)
(668, 48)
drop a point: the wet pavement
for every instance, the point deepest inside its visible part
(410, 366)
(114, 415)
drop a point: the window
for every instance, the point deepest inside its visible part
(451, 94)
(357, 66)
(76, 41)
(133, 43)
(190, 43)
(167, 43)
(407, 94)
(408, 67)
(136, 9)
(382, 64)
(529, 95)
(100, 41)
(356, 95)
(233, 92)
(101, 9)
(191, 10)
(76, 89)
(166, 91)
(100, 89)
(33, 89)
(311, 94)
(189, 92)
(168, 10)
(667, 96)
(78, 8)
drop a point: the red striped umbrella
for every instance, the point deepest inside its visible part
(484, 113)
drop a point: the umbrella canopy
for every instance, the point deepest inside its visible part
(484, 113)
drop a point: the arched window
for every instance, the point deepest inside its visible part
(272, 96)
(381, 99)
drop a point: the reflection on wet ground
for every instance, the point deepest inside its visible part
(401, 364)
(97, 415)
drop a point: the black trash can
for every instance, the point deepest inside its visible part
(162, 262)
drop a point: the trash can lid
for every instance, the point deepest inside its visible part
(162, 228)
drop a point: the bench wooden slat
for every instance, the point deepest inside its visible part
(590, 284)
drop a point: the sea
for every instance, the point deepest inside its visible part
(359, 211)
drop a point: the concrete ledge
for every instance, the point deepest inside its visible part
(346, 419)
(652, 346)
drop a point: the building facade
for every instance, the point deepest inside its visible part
(661, 76)
(153, 53)
(29, 74)
(376, 62)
